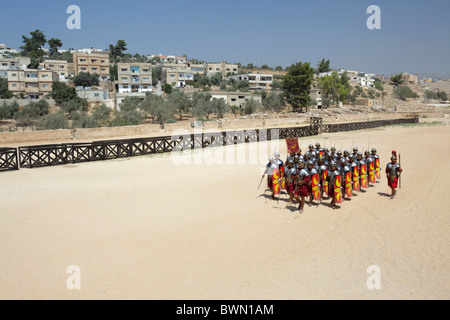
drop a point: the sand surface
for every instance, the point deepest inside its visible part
(152, 228)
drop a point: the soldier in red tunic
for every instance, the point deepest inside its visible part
(393, 171)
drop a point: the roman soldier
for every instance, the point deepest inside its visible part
(339, 157)
(290, 157)
(311, 152)
(343, 168)
(321, 168)
(346, 155)
(376, 160)
(270, 167)
(290, 174)
(318, 148)
(355, 151)
(332, 174)
(333, 153)
(393, 171)
(301, 186)
(369, 162)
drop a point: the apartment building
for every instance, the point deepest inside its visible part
(134, 77)
(92, 63)
(257, 81)
(176, 77)
(236, 98)
(32, 83)
(15, 62)
(61, 67)
(196, 68)
(169, 59)
(222, 67)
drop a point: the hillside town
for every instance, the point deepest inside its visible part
(84, 88)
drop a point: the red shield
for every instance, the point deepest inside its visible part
(377, 168)
(372, 172)
(325, 182)
(276, 181)
(364, 180)
(348, 184)
(337, 190)
(315, 186)
(356, 184)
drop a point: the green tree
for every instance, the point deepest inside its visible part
(216, 79)
(53, 121)
(404, 92)
(63, 93)
(442, 95)
(201, 106)
(149, 104)
(167, 88)
(84, 120)
(71, 107)
(251, 106)
(54, 45)
(297, 85)
(378, 84)
(397, 79)
(323, 66)
(273, 102)
(8, 110)
(219, 107)
(156, 76)
(101, 114)
(84, 79)
(114, 72)
(180, 101)
(129, 104)
(4, 92)
(278, 68)
(33, 46)
(117, 51)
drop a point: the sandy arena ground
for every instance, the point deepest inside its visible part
(150, 228)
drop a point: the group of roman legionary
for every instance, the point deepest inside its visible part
(320, 173)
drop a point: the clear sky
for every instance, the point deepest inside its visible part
(414, 35)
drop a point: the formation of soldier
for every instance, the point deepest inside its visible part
(321, 173)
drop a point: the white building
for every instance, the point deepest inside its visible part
(257, 81)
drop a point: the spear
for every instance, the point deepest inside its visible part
(400, 177)
(261, 181)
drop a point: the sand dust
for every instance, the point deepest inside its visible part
(148, 228)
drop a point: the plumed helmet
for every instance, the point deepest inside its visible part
(393, 158)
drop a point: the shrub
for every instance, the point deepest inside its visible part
(8, 110)
(54, 121)
(404, 92)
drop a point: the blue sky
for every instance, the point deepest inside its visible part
(414, 35)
